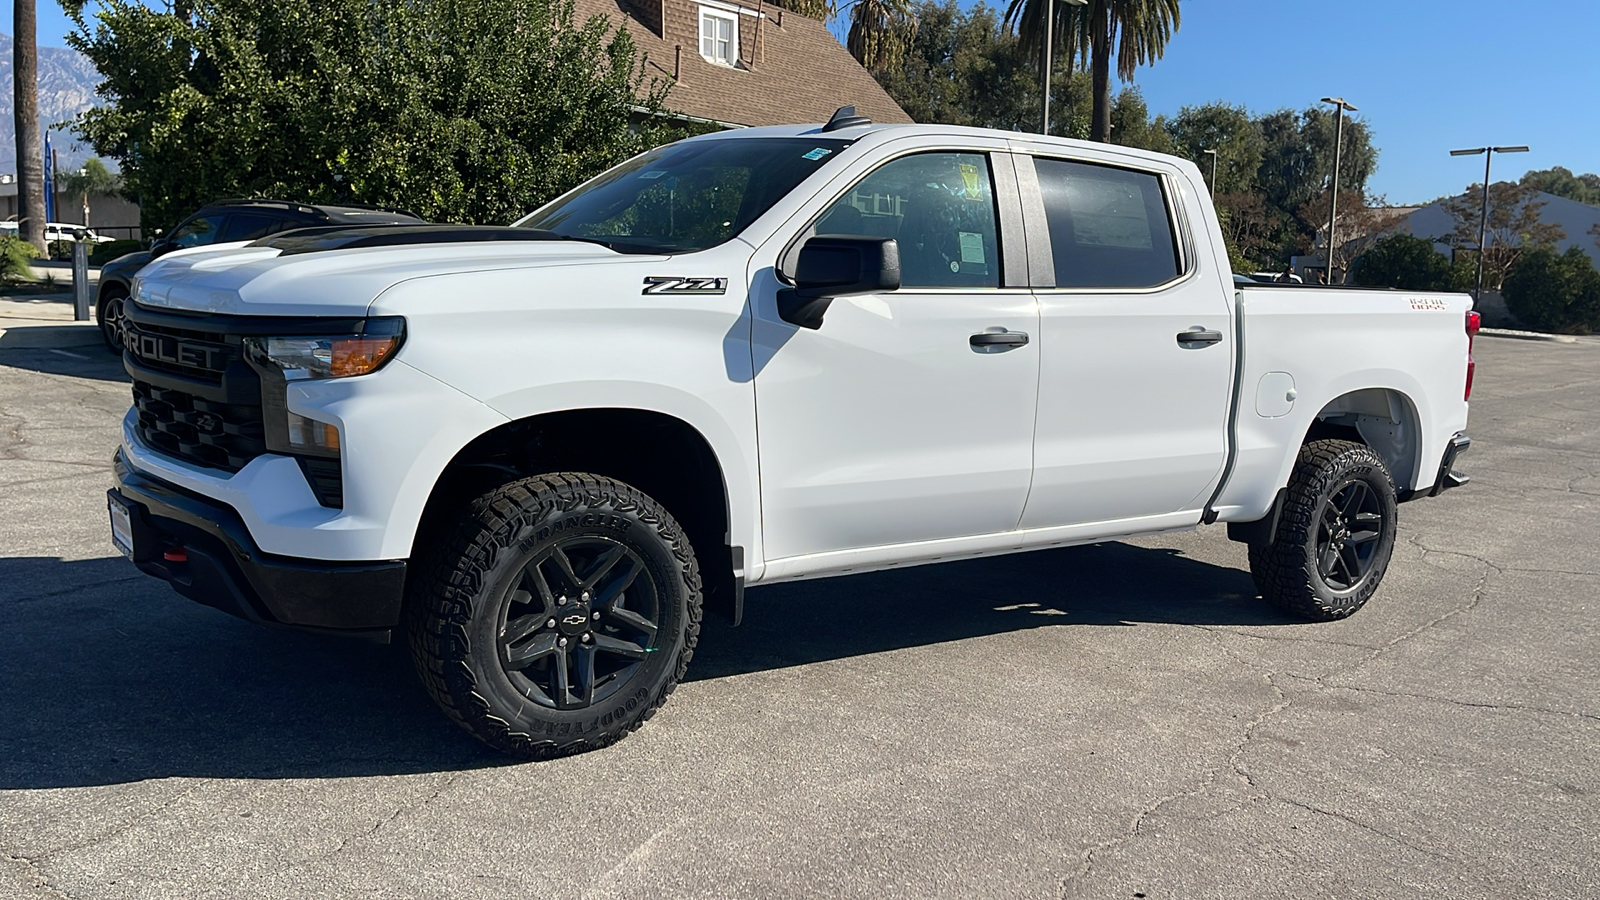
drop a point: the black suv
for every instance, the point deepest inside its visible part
(221, 222)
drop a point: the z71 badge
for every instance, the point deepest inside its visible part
(667, 284)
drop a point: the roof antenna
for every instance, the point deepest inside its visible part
(845, 117)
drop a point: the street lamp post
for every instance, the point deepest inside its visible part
(1049, 55)
(1213, 155)
(1483, 223)
(1340, 106)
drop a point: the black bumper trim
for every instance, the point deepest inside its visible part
(226, 570)
(1448, 477)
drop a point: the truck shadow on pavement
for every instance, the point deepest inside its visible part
(89, 361)
(108, 677)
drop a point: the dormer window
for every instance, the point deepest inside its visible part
(719, 36)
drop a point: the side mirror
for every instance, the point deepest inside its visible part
(159, 247)
(836, 265)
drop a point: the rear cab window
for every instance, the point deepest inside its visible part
(1109, 227)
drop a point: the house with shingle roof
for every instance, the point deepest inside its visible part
(737, 62)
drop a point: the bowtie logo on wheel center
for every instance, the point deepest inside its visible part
(575, 620)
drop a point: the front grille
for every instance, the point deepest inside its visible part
(209, 433)
(200, 355)
(199, 400)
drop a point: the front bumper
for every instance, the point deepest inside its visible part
(220, 566)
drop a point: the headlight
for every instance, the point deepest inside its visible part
(331, 356)
(312, 357)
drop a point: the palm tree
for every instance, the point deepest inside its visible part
(94, 179)
(881, 31)
(1134, 31)
(30, 156)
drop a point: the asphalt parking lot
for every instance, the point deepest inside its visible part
(1118, 721)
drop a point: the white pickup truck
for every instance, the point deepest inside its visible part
(748, 358)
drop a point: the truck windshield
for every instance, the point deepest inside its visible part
(688, 196)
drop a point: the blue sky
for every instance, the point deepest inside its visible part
(1429, 76)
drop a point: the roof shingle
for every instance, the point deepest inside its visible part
(791, 68)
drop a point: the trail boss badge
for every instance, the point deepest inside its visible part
(667, 284)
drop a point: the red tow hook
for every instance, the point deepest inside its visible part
(177, 554)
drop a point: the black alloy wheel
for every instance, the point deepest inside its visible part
(1336, 531)
(554, 614)
(579, 622)
(1349, 532)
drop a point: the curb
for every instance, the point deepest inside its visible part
(50, 337)
(1528, 335)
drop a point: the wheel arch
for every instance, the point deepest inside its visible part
(1385, 419)
(661, 454)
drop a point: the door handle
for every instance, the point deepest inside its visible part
(997, 341)
(1199, 337)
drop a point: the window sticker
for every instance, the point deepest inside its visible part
(969, 175)
(971, 247)
(818, 153)
(657, 173)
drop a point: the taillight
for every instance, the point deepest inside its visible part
(1473, 323)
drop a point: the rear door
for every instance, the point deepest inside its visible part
(1132, 417)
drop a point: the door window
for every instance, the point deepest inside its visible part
(940, 209)
(195, 232)
(1109, 227)
(248, 226)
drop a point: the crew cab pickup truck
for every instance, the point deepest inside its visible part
(536, 453)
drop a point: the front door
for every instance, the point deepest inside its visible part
(896, 421)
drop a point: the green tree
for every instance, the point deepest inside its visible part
(1560, 181)
(1406, 262)
(1229, 130)
(93, 180)
(880, 31)
(1514, 226)
(1134, 32)
(963, 68)
(465, 110)
(1554, 292)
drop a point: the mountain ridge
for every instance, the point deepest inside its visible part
(67, 83)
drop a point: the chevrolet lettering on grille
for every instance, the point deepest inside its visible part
(171, 350)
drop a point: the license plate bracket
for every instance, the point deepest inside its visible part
(121, 525)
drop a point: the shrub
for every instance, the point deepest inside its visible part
(60, 249)
(1405, 262)
(1554, 292)
(15, 254)
(104, 253)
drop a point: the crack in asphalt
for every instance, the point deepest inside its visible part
(346, 840)
(1504, 707)
(41, 880)
(115, 832)
(1236, 760)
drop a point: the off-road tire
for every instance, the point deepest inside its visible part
(461, 602)
(1287, 571)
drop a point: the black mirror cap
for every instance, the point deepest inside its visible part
(838, 265)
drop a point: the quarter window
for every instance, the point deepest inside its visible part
(719, 37)
(939, 207)
(1109, 227)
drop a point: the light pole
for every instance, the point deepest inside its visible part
(1049, 55)
(1339, 106)
(1213, 155)
(1483, 223)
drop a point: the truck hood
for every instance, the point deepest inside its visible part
(269, 281)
